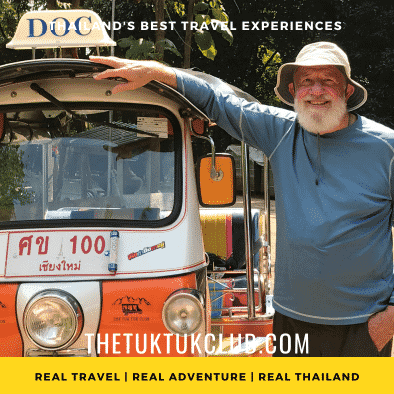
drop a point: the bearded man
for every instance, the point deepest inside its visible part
(334, 186)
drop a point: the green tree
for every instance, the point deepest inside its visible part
(371, 52)
(11, 180)
(10, 13)
(163, 44)
(365, 34)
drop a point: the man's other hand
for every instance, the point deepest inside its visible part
(381, 327)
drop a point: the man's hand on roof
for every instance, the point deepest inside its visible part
(137, 73)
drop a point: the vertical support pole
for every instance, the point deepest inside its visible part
(266, 269)
(112, 26)
(45, 150)
(109, 155)
(267, 205)
(111, 113)
(248, 235)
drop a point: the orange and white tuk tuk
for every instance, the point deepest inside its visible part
(109, 243)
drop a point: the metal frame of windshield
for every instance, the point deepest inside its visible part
(178, 171)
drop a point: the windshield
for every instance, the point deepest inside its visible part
(89, 163)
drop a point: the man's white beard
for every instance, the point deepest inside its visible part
(319, 122)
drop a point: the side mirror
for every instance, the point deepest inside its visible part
(216, 184)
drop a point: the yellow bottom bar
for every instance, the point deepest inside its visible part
(65, 375)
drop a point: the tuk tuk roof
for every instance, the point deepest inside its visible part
(39, 69)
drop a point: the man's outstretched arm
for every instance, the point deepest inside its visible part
(138, 73)
(258, 125)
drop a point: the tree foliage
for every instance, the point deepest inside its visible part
(10, 13)
(252, 59)
(142, 49)
(12, 177)
(205, 15)
(371, 51)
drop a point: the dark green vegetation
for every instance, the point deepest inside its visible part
(250, 58)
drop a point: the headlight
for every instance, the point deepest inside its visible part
(53, 319)
(183, 312)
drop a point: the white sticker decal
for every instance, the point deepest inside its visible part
(158, 126)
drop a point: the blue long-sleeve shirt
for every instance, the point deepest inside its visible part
(334, 259)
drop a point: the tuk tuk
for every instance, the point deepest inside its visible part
(111, 242)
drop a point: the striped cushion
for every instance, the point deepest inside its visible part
(224, 235)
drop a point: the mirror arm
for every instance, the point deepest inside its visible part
(215, 175)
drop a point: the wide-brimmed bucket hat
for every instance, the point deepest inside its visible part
(319, 54)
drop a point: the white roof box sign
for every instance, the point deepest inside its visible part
(60, 28)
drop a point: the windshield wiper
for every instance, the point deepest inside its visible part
(42, 92)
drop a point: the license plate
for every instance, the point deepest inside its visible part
(57, 253)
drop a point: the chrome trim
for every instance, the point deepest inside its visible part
(232, 291)
(58, 353)
(87, 294)
(248, 236)
(186, 293)
(215, 175)
(266, 268)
